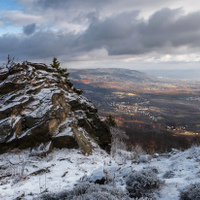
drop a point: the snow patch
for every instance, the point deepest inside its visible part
(61, 169)
(65, 132)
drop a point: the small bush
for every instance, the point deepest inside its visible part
(143, 183)
(191, 192)
(89, 191)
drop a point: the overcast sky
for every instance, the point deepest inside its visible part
(135, 34)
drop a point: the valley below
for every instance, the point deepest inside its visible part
(158, 113)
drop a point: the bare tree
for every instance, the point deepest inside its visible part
(10, 63)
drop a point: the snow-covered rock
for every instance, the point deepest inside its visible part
(39, 105)
(143, 159)
(97, 176)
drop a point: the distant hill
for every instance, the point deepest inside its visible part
(109, 78)
(191, 74)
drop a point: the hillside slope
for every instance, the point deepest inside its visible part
(109, 78)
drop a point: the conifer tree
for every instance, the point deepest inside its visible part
(56, 65)
(111, 121)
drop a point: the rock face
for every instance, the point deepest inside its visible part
(40, 108)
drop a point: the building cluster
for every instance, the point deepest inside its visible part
(126, 108)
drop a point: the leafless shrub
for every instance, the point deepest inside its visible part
(118, 140)
(89, 191)
(143, 183)
(191, 192)
(138, 151)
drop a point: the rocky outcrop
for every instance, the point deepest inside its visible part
(39, 106)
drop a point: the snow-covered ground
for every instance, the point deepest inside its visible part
(26, 176)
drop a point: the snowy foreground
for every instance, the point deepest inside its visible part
(24, 176)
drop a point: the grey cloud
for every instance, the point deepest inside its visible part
(29, 29)
(164, 32)
(37, 46)
(110, 33)
(76, 11)
(126, 34)
(69, 3)
(112, 5)
(170, 27)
